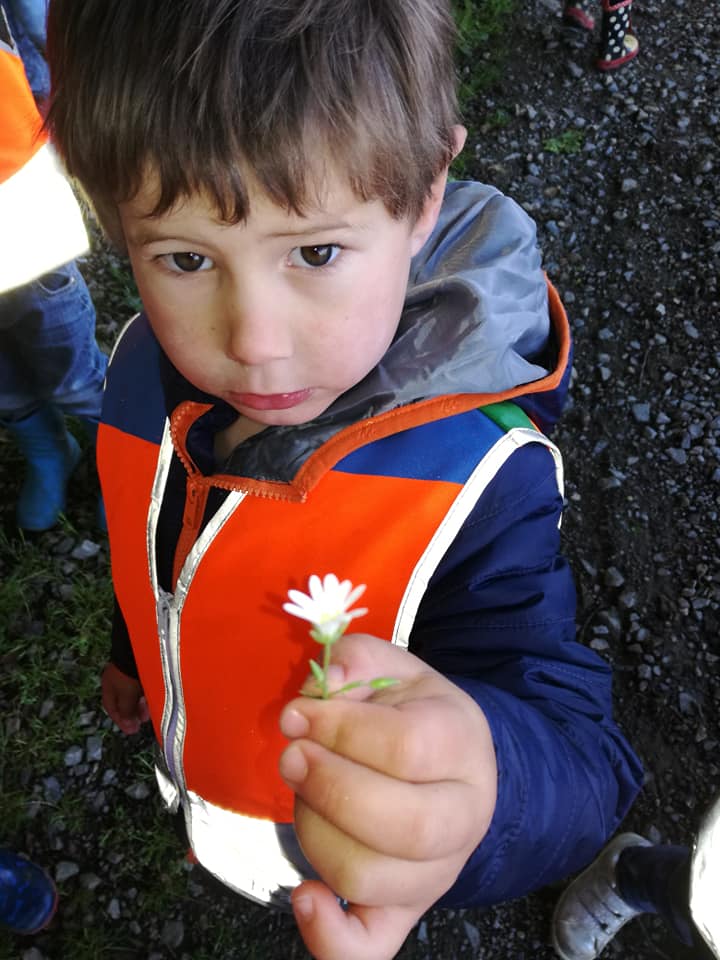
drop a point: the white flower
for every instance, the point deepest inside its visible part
(327, 606)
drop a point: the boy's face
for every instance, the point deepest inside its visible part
(281, 314)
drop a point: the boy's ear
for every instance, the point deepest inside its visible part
(425, 223)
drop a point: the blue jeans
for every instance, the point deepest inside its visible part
(27, 19)
(48, 351)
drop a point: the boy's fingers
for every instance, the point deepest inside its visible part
(360, 874)
(359, 933)
(422, 739)
(361, 657)
(414, 821)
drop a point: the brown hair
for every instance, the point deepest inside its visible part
(204, 92)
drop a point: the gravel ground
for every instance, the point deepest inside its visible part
(621, 174)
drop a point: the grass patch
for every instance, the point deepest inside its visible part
(569, 142)
(53, 638)
(481, 50)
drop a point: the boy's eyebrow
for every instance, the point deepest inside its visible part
(316, 228)
(145, 235)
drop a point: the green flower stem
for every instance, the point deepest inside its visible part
(320, 673)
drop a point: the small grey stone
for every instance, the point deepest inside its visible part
(138, 791)
(85, 550)
(628, 599)
(66, 869)
(113, 908)
(52, 789)
(613, 577)
(90, 881)
(32, 954)
(641, 412)
(94, 748)
(678, 455)
(73, 756)
(473, 934)
(691, 330)
(628, 185)
(173, 934)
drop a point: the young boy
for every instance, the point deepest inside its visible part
(344, 365)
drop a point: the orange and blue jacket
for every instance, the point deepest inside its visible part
(40, 222)
(444, 498)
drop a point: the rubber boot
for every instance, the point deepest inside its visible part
(618, 44)
(51, 455)
(28, 897)
(579, 14)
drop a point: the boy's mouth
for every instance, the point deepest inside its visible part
(269, 401)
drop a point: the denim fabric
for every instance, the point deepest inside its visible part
(27, 19)
(48, 351)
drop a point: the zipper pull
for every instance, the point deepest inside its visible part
(194, 506)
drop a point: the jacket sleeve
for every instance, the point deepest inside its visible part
(121, 652)
(498, 619)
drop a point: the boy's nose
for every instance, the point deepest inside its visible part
(256, 329)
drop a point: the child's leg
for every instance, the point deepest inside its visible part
(618, 44)
(55, 339)
(49, 362)
(657, 880)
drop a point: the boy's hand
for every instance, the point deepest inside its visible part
(123, 700)
(394, 791)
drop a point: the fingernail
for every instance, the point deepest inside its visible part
(303, 907)
(294, 724)
(293, 766)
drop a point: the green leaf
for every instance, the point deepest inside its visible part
(379, 683)
(318, 672)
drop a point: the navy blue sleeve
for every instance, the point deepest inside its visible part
(498, 619)
(121, 652)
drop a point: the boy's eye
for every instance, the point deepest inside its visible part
(188, 262)
(316, 256)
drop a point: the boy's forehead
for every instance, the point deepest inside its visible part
(329, 200)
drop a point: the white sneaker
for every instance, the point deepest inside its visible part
(591, 911)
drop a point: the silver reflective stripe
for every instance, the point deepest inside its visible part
(705, 879)
(168, 791)
(168, 611)
(244, 852)
(163, 600)
(456, 516)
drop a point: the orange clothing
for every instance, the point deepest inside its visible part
(21, 133)
(41, 226)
